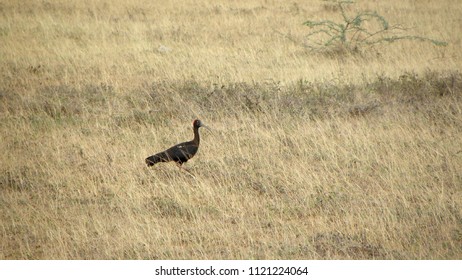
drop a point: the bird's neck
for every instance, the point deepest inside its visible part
(196, 139)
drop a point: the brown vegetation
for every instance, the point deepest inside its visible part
(312, 156)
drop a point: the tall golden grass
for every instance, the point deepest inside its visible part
(312, 155)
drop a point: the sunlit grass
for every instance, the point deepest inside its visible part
(311, 155)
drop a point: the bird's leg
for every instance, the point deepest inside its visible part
(184, 168)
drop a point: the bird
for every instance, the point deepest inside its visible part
(179, 153)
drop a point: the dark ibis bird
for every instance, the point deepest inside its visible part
(179, 153)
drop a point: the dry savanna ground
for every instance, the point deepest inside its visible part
(312, 155)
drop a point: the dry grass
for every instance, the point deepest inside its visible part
(348, 156)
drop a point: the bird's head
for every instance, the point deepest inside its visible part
(199, 123)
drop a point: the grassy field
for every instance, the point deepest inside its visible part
(330, 155)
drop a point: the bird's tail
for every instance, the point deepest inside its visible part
(160, 157)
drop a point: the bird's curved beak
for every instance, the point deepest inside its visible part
(204, 126)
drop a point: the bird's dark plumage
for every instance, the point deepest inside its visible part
(179, 153)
